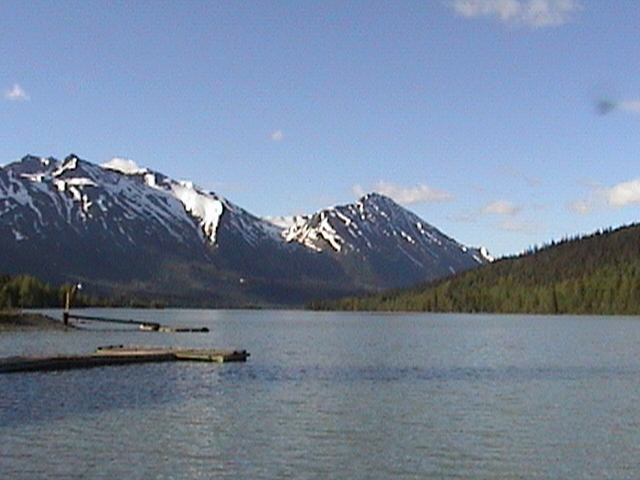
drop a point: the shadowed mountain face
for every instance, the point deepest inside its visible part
(124, 230)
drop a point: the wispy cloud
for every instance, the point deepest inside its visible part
(510, 218)
(518, 174)
(16, 94)
(276, 136)
(408, 196)
(520, 225)
(582, 207)
(529, 13)
(500, 207)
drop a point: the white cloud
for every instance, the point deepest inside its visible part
(276, 136)
(16, 94)
(531, 13)
(623, 194)
(499, 207)
(407, 196)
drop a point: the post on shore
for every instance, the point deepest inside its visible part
(67, 302)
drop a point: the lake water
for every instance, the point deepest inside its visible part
(334, 396)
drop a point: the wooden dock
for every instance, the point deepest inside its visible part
(118, 355)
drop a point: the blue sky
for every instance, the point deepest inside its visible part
(478, 115)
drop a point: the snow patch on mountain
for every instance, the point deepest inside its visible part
(483, 255)
(123, 165)
(80, 182)
(70, 164)
(207, 208)
(312, 231)
(203, 206)
(150, 180)
(282, 223)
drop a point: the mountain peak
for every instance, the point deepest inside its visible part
(71, 158)
(375, 197)
(30, 164)
(394, 241)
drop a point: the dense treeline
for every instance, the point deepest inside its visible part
(596, 274)
(25, 291)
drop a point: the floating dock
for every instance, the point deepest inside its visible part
(118, 355)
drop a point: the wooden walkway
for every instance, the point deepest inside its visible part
(118, 355)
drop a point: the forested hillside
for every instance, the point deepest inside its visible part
(596, 274)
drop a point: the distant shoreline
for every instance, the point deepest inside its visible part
(17, 321)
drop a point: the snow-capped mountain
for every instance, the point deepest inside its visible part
(398, 247)
(121, 228)
(112, 197)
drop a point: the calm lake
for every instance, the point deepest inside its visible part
(333, 396)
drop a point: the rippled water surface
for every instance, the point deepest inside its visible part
(332, 395)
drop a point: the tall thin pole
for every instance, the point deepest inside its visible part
(67, 302)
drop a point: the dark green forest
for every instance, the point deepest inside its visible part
(25, 291)
(595, 274)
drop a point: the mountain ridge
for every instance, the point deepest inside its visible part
(117, 227)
